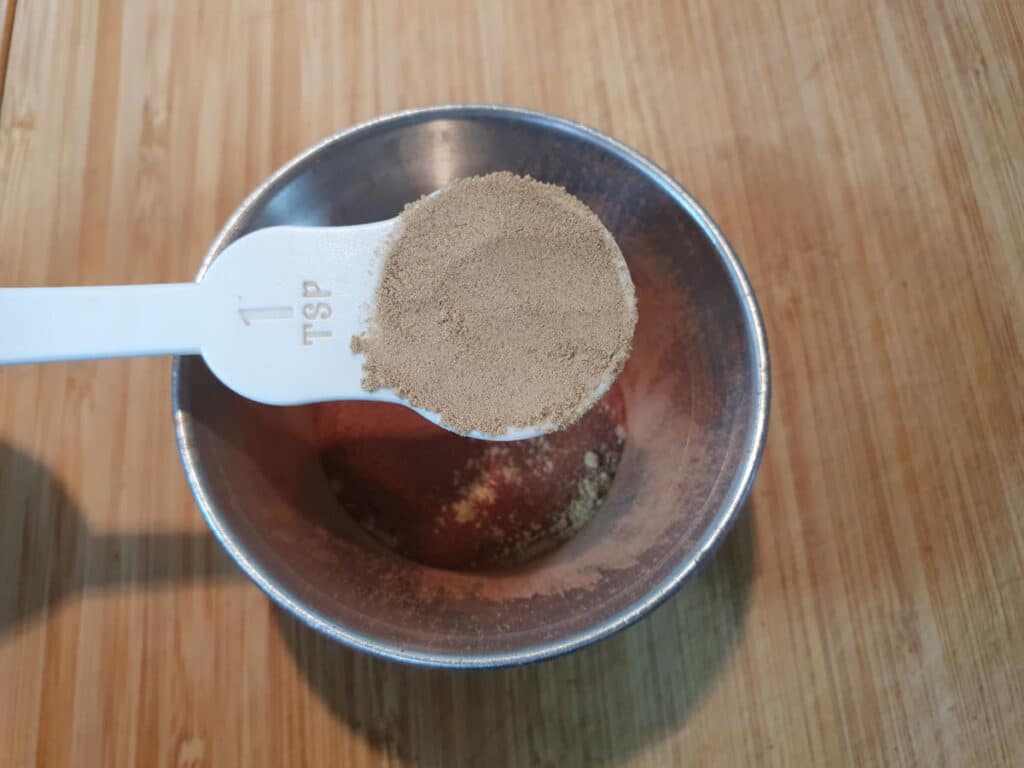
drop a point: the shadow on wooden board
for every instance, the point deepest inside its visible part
(48, 554)
(598, 705)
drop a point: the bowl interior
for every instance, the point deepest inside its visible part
(693, 402)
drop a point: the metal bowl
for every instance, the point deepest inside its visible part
(696, 395)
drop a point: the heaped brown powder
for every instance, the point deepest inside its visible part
(503, 302)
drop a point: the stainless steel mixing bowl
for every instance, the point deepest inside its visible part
(696, 393)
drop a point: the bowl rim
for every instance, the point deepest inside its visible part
(736, 496)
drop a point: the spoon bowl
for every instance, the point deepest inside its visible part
(286, 301)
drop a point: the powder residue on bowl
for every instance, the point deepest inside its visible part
(503, 302)
(450, 502)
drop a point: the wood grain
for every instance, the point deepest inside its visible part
(866, 160)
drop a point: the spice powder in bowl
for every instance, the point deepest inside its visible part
(503, 302)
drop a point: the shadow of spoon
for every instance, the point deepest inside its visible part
(48, 554)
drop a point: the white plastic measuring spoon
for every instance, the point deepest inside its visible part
(273, 318)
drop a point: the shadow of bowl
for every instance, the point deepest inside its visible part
(599, 705)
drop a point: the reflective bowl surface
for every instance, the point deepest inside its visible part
(696, 393)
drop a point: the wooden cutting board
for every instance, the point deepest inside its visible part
(866, 160)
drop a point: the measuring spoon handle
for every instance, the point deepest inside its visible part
(41, 325)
